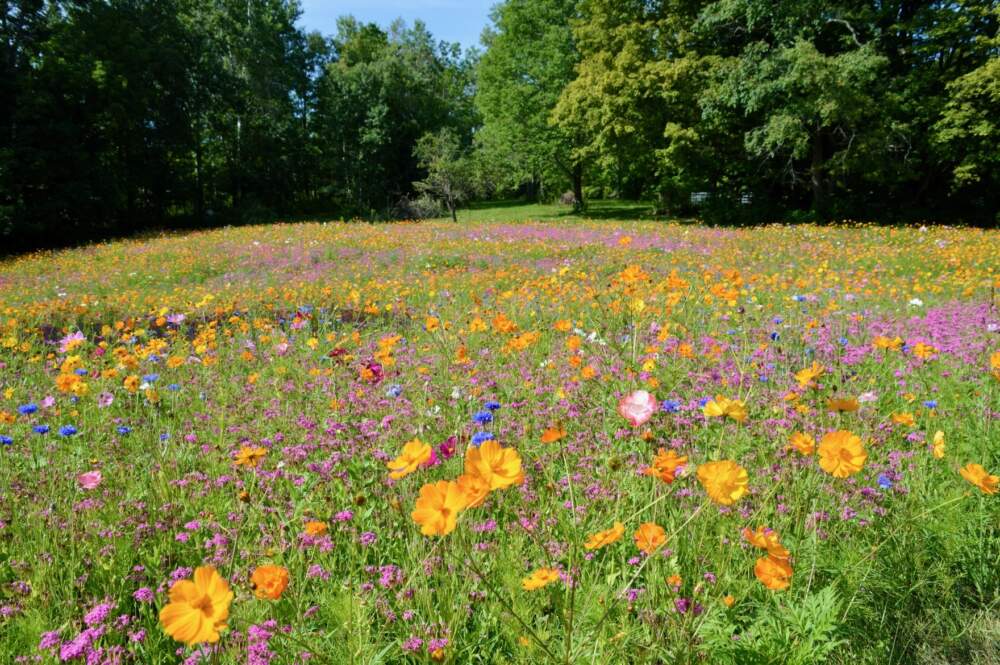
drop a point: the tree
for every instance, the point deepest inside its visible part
(448, 169)
(530, 58)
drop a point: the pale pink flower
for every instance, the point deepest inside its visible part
(637, 407)
(89, 480)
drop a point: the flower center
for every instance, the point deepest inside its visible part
(204, 605)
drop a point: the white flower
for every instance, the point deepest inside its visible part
(916, 302)
(456, 393)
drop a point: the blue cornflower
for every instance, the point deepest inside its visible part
(884, 482)
(479, 437)
(153, 358)
(671, 405)
(6, 440)
(777, 320)
(395, 390)
(174, 387)
(27, 409)
(79, 371)
(775, 336)
(123, 430)
(798, 298)
(931, 404)
(762, 378)
(164, 436)
(151, 378)
(703, 401)
(483, 417)
(492, 405)
(843, 341)
(41, 429)
(67, 430)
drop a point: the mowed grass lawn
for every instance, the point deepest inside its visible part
(503, 441)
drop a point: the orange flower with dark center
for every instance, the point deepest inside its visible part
(841, 454)
(724, 481)
(605, 538)
(775, 574)
(198, 608)
(250, 456)
(650, 537)
(665, 465)
(269, 582)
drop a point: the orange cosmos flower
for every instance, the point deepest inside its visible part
(198, 608)
(766, 539)
(775, 574)
(665, 465)
(938, 445)
(724, 481)
(250, 456)
(924, 351)
(269, 582)
(803, 443)
(887, 344)
(842, 404)
(980, 477)
(316, 528)
(540, 578)
(415, 453)
(905, 419)
(605, 538)
(649, 537)
(438, 506)
(474, 488)
(553, 434)
(722, 406)
(728, 600)
(995, 361)
(841, 454)
(498, 466)
(807, 377)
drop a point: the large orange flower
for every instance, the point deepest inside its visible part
(980, 477)
(725, 481)
(475, 488)
(665, 465)
(498, 466)
(438, 507)
(269, 581)
(723, 407)
(766, 539)
(841, 454)
(198, 608)
(775, 574)
(415, 453)
(606, 537)
(803, 443)
(650, 537)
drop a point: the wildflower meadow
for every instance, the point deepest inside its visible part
(519, 442)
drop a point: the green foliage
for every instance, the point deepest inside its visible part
(448, 170)
(799, 632)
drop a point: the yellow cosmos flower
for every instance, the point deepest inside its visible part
(807, 377)
(722, 406)
(981, 478)
(250, 456)
(904, 419)
(498, 466)
(316, 528)
(198, 608)
(842, 404)
(475, 489)
(540, 578)
(415, 453)
(438, 506)
(724, 481)
(803, 443)
(605, 538)
(938, 445)
(841, 454)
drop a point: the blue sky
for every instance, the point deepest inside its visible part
(451, 20)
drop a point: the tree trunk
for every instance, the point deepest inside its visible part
(817, 177)
(578, 185)
(452, 207)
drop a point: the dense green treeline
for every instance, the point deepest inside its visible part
(119, 115)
